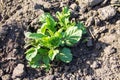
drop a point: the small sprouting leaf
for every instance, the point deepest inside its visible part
(72, 36)
(66, 21)
(53, 53)
(66, 11)
(65, 55)
(48, 23)
(51, 23)
(34, 35)
(63, 17)
(31, 53)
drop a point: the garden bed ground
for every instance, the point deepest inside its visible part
(96, 59)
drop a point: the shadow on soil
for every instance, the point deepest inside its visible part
(11, 46)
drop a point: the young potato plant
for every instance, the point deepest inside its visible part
(53, 39)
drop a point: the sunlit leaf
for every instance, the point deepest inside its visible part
(72, 36)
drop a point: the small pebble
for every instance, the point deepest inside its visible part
(18, 71)
(96, 65)
(74, 6)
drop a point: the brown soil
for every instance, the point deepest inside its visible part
(96, 59)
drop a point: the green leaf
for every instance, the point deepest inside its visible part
(32, 43)
(66, 11)
(65, 55)
(66, 21)
(43, 51)
(36, 61)
(54, 41)
(50, 42)
(31, 53)
(46, 60)
(34, 64)
(51, 23)
(63, 17)
(82, 27)
(52, 54)
(42, 29)
(45, 42)
(72, 36)
(34, 35)
(48, 23)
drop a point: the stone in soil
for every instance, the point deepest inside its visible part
(83, 9)
(96, 65)
(89, 3)
(47, 6)
(49, 77)
(6, 77)
(18, 71)
(106, 13)
(118, 9)
(17, 79)
(74, 6)
(118, 22)
(89, 78)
